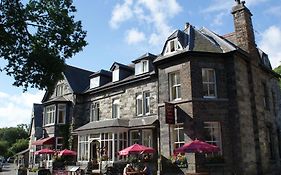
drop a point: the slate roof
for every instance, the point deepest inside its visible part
(38, 112)
(145, 56)
(121, 66)
(204, 40)
(77, 78)
(126, 123)
(101, 72)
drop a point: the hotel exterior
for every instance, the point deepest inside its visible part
(222, 88)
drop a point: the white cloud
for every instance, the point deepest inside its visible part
(134, 36)
(153, 13)
(16, 108)
(121, 13)
(271, 43)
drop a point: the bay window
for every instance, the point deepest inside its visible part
(83, 148)
(209, 83)
(49, 114)
(175, 86)
(61, 114)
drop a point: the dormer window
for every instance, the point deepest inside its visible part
(95, 82)
(60, 90)
(141, 67)
(115, 75)
(173, 46)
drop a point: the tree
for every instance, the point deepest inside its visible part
(19, 146)
(4, 145)
(36, 38)
(12, 134)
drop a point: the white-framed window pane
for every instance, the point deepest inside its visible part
(178, 136)
(135, 137)
(116, 108)
(94, 112)
(138, 68)
(60, 89)
(139, 104)
(59, 143)
(61, 113)
(83, 151)
(94, 82)
(209, 82)
(147, 137)
(212, 133)
(145, 66)
(175, 86)
(115, 74)
(146, 102)
(172, 46)
(50, 114)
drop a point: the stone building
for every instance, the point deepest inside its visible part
(225, 93)
(35, 132)
(222, 88)
(121, 109)
(61, 115)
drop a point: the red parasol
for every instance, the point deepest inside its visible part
(45, 151)
(197, 146)
(67, 152)
(136, 148)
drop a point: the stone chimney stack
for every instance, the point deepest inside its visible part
(245, 37)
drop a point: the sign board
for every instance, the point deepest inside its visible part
(170, 113)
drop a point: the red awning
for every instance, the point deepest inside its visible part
(44, 141)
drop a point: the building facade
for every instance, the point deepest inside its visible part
(222, 89)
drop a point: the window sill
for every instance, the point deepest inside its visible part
(51, 124)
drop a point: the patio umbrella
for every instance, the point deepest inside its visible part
(45, 151)
(197, 146)
(136, 149)
(67, 152)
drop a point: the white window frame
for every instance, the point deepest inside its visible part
(147, 138)
(49, 115)
(61, 107)
(211, 126)
(209, 83)
(95, 82)
(143, 103)
(134, 140)
(178, 130)
(115, 75)
(176, 86)
(139, 104)
(116, 108)
(60, 90)
(176, 45)
(83, 148)
(59, 145)
(95, 112)
(141, 67)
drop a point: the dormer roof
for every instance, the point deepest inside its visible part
(102, 72)
(122, 66)
(145, 56)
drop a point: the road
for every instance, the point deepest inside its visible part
(9, 169)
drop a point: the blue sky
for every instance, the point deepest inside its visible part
(123, 30)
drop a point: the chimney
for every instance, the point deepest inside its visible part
(244, 31)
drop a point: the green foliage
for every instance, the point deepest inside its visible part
(13, 140)
(12, 134)
(278, 70)
(19, 146)
(4, 145)
(36, 36)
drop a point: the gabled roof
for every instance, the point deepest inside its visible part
(145, 56)
(101, 72)
(122, 66)
(77, 78)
